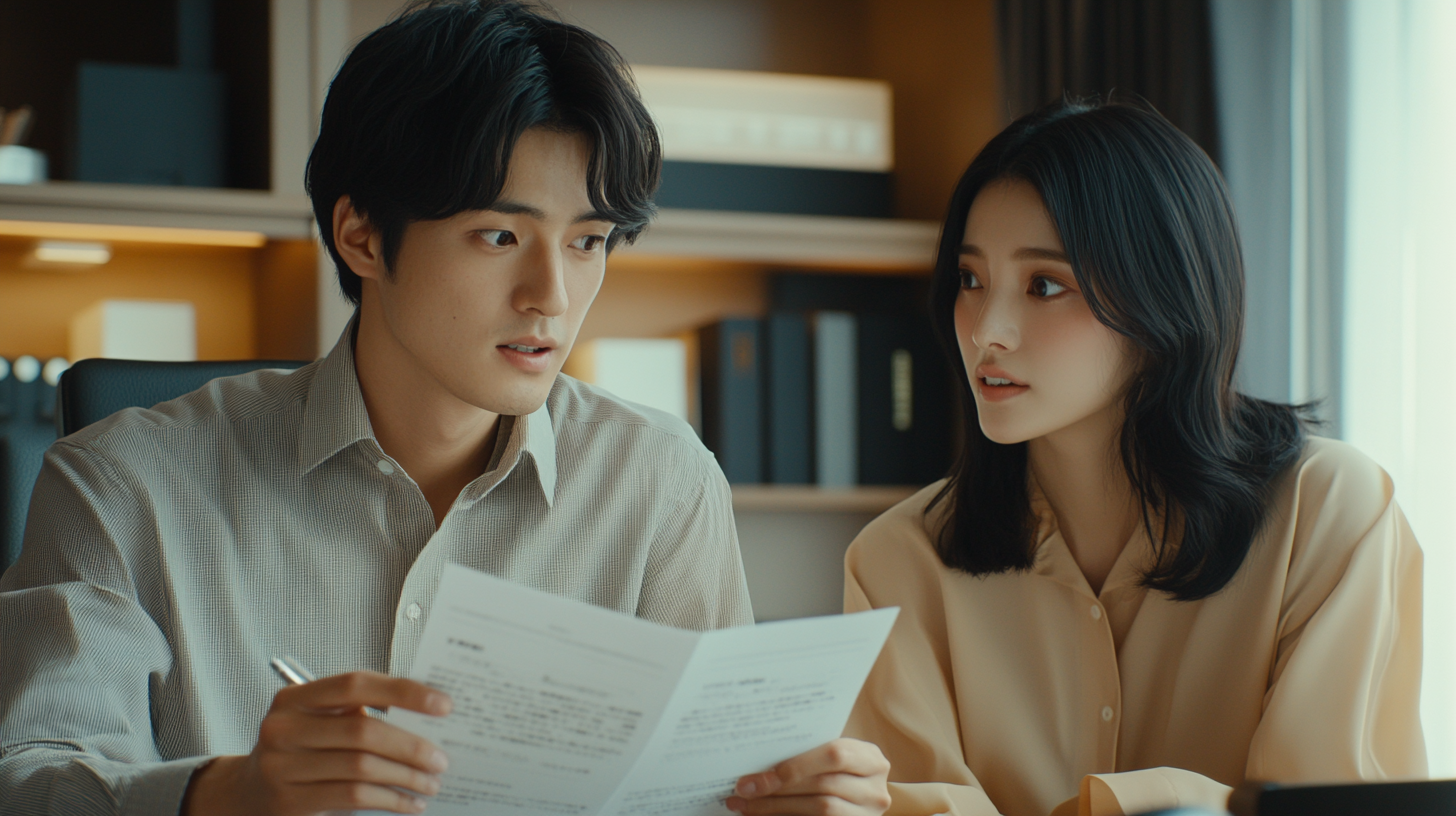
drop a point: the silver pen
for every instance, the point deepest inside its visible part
(292, 672)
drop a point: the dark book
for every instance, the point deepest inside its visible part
(788, 394)
(731, 405)
(903, 417)
(905, 403)
(791, 190)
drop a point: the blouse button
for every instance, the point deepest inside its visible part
(412, 612)
(385, 467)
(1096, 613)
(1107, 713)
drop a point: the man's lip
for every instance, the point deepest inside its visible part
(984, 371)
(531, 342)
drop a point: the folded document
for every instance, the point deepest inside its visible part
(566, 708)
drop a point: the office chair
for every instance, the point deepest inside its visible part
(90, 390)
(94, 389)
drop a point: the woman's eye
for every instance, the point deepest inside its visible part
(589, 243)
(498, 238)
(1046, 287)
(969, 280)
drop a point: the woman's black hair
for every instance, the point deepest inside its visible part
(1148, 228)
(421, 119)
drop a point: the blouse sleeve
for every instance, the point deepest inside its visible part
(1344, 694)
(907, 708)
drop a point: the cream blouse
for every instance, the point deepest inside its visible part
(1027, 693)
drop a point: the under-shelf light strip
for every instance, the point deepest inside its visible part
(120, 232)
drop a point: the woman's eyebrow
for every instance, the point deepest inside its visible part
(1023, 254)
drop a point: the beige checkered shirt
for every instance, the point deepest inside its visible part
(171, 552)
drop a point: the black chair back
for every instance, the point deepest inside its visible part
(32, 414)
(94, 389)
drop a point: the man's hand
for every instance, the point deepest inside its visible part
(318, 751)
(845, 777)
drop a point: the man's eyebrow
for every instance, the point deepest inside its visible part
(517, 208)
(593, 215)
(1023, 254)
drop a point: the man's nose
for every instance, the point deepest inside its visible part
(542, 288)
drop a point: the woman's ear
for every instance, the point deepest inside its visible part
(358, 242)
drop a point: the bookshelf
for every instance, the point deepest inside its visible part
(272, 296)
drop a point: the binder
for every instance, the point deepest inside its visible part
(788, 392)
(836, 403)
(731, 405)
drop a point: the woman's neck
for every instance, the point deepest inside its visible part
(1080, 472)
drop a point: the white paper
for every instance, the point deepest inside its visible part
(566, 708)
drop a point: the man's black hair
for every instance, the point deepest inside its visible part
(421, 119)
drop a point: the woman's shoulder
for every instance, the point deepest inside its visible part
(899, 537)
(1334, 478)
(1333, 501)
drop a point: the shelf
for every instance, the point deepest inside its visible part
(832, 241)
(814, 499)
(275, 216)
(837, 242)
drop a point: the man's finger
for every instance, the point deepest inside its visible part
(326, 796)
(319, 732)
(364, 688)
(356, 766)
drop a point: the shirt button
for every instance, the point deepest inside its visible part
(412, 612)
(1107, 713)
(1096, 613)
(384, 467)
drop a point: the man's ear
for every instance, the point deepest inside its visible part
(358, 242)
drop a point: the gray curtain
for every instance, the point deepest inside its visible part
(1159, 50)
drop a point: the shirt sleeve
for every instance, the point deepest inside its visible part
(908, 709)
(694, 574)
(81, 653)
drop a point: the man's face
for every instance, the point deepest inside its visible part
(487, 303)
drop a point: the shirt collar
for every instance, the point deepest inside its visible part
(1054, 559)
(334, 418)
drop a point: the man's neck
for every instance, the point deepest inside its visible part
(442, 442)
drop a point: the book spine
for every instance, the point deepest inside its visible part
(732, 412)
(787, 364)
(835, 404)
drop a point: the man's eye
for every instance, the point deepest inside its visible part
(589, 243)
(969, 280)
(1046, 287)
(498, 238)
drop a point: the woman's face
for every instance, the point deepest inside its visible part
(1038, 360)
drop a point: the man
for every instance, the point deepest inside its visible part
(475, 163)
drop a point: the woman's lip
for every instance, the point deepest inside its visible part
(997, 393)
(531, 362)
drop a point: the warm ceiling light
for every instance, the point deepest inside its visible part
(121, 232)
(72, 252)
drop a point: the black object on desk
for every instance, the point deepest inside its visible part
(1429, 798)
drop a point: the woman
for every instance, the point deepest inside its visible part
(1138, 587)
